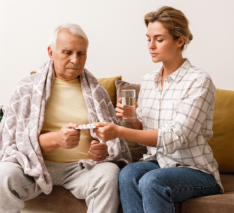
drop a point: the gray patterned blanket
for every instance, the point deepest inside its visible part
(24, 117)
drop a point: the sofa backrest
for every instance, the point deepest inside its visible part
(222, 142)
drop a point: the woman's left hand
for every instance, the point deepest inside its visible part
(106, 131)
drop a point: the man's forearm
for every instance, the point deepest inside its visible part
(47, 142)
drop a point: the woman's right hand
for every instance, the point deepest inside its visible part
(120, 109)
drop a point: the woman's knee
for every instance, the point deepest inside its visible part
(127, 173)
(154, 181)
(131, 174)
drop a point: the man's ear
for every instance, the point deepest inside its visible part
(181, 41)
(50, 53)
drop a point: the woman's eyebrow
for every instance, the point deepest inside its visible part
(155, 35)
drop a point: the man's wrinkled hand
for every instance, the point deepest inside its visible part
(67, 137)
(98, 151)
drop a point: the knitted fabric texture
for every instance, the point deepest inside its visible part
(24, 117)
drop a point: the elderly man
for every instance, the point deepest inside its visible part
(39, 145)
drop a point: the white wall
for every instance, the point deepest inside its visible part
(116, 32)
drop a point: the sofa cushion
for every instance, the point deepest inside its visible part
(60, 200)
(136, 150)
(228, 182)
(222, 142)
(109, 84)
(120, 85)
(210, 204)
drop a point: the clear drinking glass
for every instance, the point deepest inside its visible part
(128, 99)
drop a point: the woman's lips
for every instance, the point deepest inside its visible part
(154, 54)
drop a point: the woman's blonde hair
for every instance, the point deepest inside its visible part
(172, 19)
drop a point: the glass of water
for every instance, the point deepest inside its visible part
(128, 100)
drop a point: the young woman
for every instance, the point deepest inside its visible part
(174, 120)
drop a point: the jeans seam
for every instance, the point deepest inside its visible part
(195, 187)
(172, 202)
(141, 195)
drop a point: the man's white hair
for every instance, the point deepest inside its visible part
(75, 29)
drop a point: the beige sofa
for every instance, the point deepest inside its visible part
(62, 201)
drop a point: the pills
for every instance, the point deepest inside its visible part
(88, 126)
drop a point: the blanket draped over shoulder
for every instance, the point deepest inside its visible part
(24, 117)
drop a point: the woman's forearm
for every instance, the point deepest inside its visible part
(136, 125)
(144, 137)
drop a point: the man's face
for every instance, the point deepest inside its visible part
(70, 55)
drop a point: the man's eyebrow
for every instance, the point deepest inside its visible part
(155, 35)
(65, 48)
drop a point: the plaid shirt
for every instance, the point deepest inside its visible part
(183, 115)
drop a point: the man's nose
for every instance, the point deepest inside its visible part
(74, 59)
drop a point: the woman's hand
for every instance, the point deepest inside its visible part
(120, 109)
(106, 131)
(98, 151)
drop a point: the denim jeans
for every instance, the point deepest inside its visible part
(145, 187)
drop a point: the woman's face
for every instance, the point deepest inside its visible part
(162, 46)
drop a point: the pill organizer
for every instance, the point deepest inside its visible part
(88, 126)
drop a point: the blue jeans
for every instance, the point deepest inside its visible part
(145, 187)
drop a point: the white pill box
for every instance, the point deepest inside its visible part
(88, 126)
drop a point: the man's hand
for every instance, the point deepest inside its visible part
(98, 151)
(67, 137)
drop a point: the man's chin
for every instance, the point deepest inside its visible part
(67, 77)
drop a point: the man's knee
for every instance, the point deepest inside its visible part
(12, 176)
(9, 178)
(105, 176)
(110, 173)
(9, 171)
